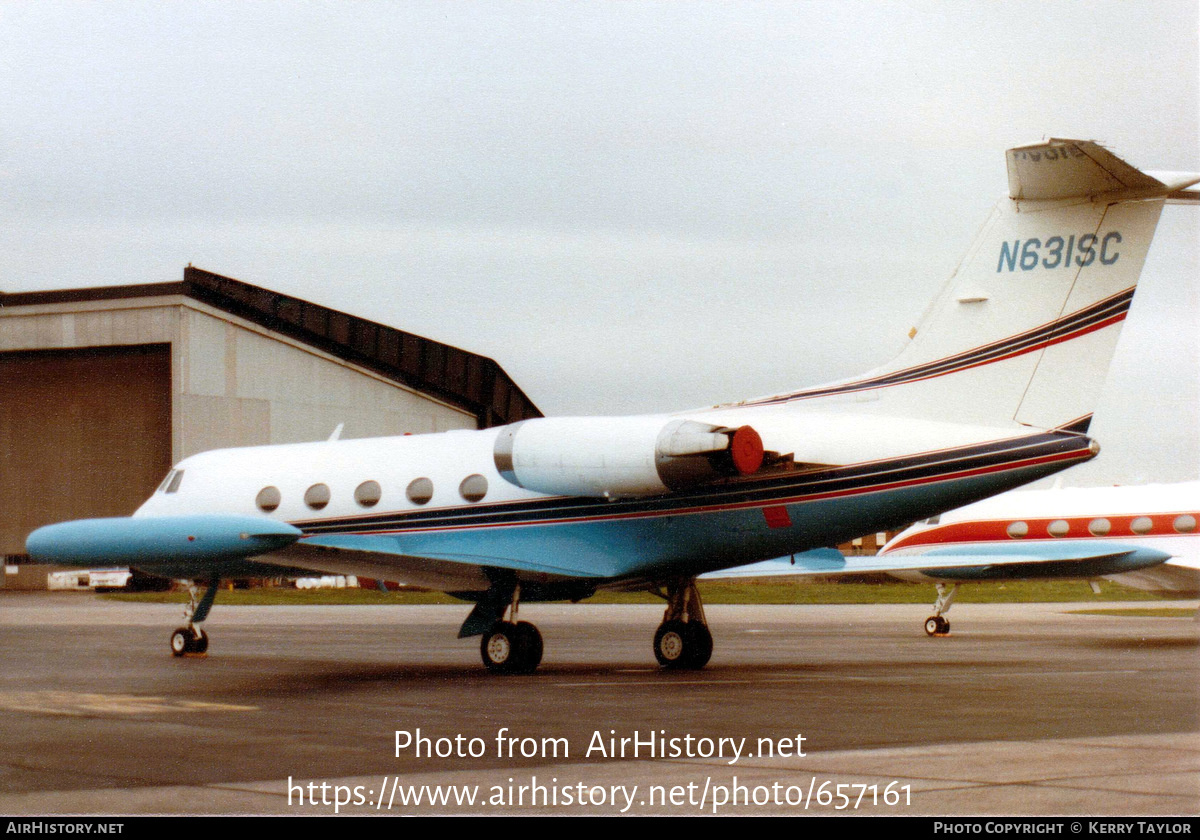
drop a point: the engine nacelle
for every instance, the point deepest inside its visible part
(622, 456)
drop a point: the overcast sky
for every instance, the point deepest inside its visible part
(631, 206)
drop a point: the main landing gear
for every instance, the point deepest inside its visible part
(511, 646)
(937, 624)
(682, 640)
(191, 639)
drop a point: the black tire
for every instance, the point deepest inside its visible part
(937, 625)
(200, 644)
(699, 645)
(529, 646)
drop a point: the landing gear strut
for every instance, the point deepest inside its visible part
(682, 640)
(937, 624)
(511, 646)
(191, 639)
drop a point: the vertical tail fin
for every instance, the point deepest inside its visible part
(1024, 330)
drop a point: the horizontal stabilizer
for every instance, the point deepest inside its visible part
(1062, 169)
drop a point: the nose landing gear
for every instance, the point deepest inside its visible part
(191, 639)
(937, 624)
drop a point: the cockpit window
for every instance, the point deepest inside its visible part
(174, 478)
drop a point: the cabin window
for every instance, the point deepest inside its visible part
(1058, 528)
(1185, 524)
(1099, 527)
(368, 494)
(1016, 530)
(420, 491)
(1141, 525)
(317, 496)
(268, 499)
(473, 488)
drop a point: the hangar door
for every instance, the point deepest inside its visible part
(83, 433)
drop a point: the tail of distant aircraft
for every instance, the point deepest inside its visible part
(1024, 330)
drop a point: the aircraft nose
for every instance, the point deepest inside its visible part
(133, 540)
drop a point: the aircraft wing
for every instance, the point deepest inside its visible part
(986, 561)
(447, 571)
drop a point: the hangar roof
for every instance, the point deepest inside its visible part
(463, 379)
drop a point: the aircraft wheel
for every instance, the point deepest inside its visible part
(180, 641)
(937, 625)
(679, 644)
(498, 647)
(184, 640)
(530, 643)
(511, 648)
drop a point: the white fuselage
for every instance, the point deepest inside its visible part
(1165, 517)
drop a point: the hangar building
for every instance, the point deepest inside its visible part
(103, 389)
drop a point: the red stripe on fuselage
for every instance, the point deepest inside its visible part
(996, 530)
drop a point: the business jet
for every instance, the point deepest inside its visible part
(1141, 536)
(994, 389)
